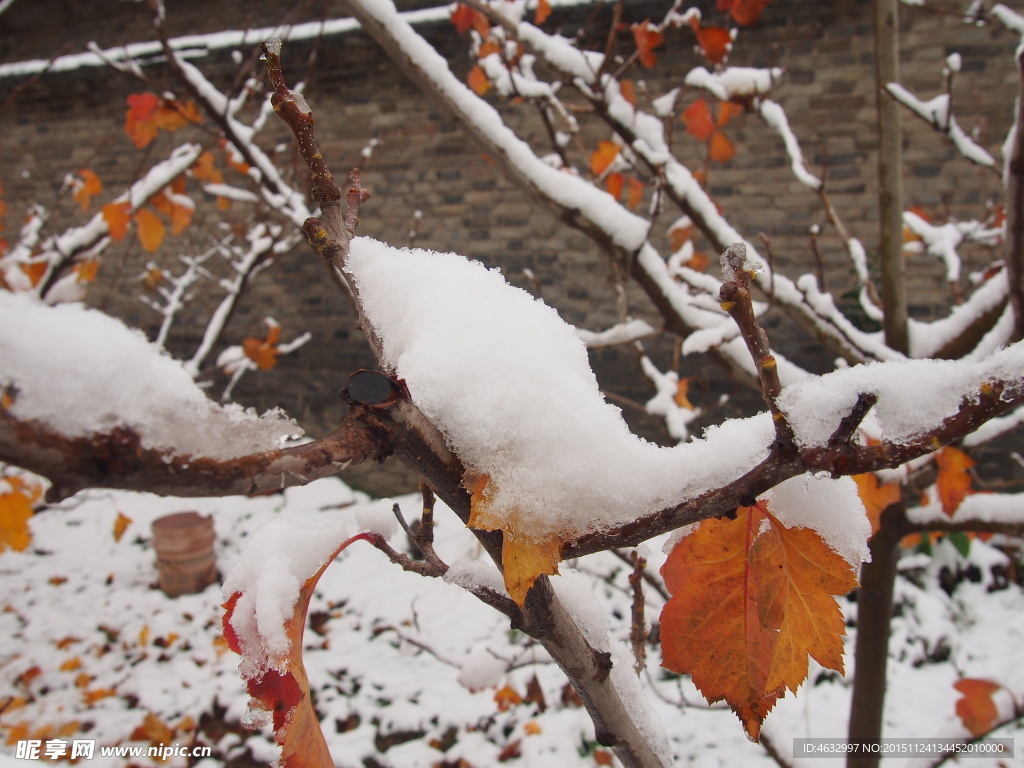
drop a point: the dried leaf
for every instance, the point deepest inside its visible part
(954, 480)
(264, 352)
(138, 122)
(715, 43)
(88, 186)
(628, 91)
(286, 693)
(477, 80)
(744, 12)
(603, 157)
(85, 271)
(150, 230)
(15, 511)
(144, 635)
(34, 270)
(532, 728)
(489, 46)
(635, 195)
(682, 396)
(697, 119)
(117, 217)
(524, 557)
(679, 236)
(542, 12)
(71, 664)
(720, 148)
(876, 497)
(121, 525)
(614, 183)
(975, 708)
(647, 39)
(751, 599)
(203, 168)
(154, 730)
(507, 697)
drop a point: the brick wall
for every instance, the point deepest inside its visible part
(74, 119)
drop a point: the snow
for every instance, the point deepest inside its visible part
(733, 82)
(401, 652)
(105, 375)
(560, 459)
(913, 396)
(936, 111)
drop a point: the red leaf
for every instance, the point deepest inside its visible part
(139, 122)
(647, 39)
(465, 18)
(714, 43)
(614, 184)
(744, 12)
(628, 91)
(635, 195)
(697, 119)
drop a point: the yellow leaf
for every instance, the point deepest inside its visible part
(71, 665)
(121, 525)
(144, 635)
(532, 728)
(15, 511)
(91, 697)
(150, 230)
(524, 557)
(154, 730)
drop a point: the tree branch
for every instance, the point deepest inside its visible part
(1015, 212)
(117, 459)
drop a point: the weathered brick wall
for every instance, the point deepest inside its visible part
(71, 120)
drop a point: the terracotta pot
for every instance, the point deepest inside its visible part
(184, 553)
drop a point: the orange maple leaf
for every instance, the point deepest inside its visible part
(85, 271)
(628, 90)
(876, 497)
(954, 480)
(285, 693)
(149, 229)
(180, 214)
(975, 708)
(477, 80)
(203, 168)
(524, 556)
(117, 217)
(751, 599)
(542, 12)
(264, 352)
(720, 148)
(647, 39)
(88, 186)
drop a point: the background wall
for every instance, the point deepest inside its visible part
(69, 120)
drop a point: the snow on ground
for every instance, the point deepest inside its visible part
(89, 647)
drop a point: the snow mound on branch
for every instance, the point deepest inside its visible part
(83, 372)
(510, 385)
(914, 396)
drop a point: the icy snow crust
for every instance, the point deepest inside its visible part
(510, 385)
(83, 372)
